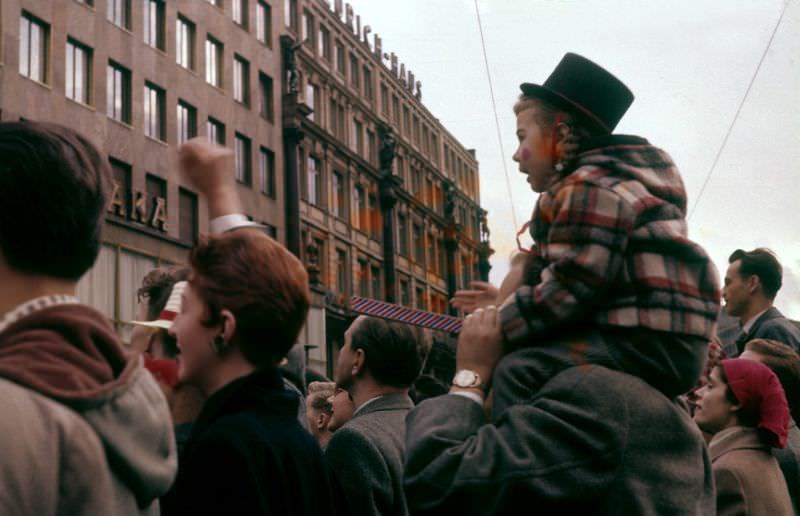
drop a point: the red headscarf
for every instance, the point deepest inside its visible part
(760, 393)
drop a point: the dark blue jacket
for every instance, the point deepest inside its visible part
(249, 455)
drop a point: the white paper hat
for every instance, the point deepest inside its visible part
(169, 312)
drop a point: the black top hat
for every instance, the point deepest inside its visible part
(581, 85)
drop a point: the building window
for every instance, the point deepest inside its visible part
(360, 216)
(153, 24)
(266, 172)
(78, 71)
(416, 182)
(290, 14)
(405, 293)
(402, 234)
(339, 206)
(187, 216)
(241, 157)
(372, 154)
(310, 97)
(406, 121)
(187, 121)
(118, 93)
(156, 192)
(154, 120)
(384, 100)
(33, 46)
(121, 175)
(396, 111)
(442, 258)
(215, 130)
(367, 83)
(465, 270)
(264, 23)
(308, 29)
(375, 225)
(400, 168)
(363, 278)
(375, 278)
(420, 298)
(419, 245)
(239, 13)
(357, 141)
(340, 57)
(324, 43)
(241, 80)
(416, 130)
(214, 62)
(432, 262)
(354, 78)
(314, 181)
(341, 271)
(119, 13)
(267, 99)
(184, 42)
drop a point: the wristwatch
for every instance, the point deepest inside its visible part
(466, 379)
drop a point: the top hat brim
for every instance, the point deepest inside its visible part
(542, 92)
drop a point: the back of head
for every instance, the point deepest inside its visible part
(394, 352)
(54, 187)
(785, 363)
(763, 263)
(261, 283)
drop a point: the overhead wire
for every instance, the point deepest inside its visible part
(496, 118)
(738, 111)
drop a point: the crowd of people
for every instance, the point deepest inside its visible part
(595, 379)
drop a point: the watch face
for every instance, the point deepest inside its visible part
(465, 378)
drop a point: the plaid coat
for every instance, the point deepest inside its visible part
(613, 236)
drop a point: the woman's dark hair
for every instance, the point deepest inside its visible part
(261, 283)
(54, 188)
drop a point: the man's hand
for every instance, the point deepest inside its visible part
(481, 295)
(480, 343)
(208, 168)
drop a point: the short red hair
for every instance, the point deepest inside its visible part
(261, 283)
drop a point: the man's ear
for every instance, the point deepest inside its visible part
(322, 421)
(753, 283)
(359, 360)
(228, 324)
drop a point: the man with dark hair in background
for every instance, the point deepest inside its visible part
(377, 364)
(752, 281)
(85, 429)
(785, 363)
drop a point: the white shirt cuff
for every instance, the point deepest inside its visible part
(471, 395)
(219, 225)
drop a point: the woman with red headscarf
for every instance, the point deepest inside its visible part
(744, 408)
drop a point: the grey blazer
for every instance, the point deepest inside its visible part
(366, 456)
(770, 325)
(590, 441)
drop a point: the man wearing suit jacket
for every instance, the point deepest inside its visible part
(752, 280)
(377, 364)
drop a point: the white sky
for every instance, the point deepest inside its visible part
(687, 61)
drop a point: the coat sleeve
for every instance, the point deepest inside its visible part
(588, 228)
(361, 472)
(566, 446)
(731, 499)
